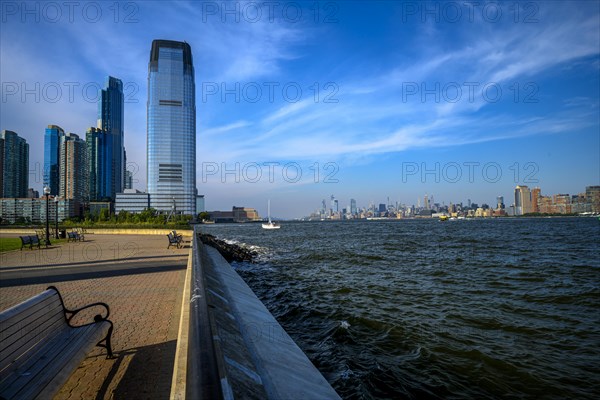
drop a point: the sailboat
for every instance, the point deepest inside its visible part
(270, 224)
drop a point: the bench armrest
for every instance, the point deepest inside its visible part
(97, 318)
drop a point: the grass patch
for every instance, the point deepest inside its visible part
(8, 244)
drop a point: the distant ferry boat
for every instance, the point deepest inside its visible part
(443, 218)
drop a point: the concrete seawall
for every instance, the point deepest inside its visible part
(235, 347)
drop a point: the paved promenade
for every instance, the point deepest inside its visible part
(139, 279)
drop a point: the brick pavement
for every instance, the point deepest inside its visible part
(144, 307)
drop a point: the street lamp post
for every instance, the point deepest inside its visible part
(47, 194)
(56, 217)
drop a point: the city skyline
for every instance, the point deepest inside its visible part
(390, 75)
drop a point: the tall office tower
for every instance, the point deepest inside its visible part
(14, 168)
(52, 157)
(522, 200)
(536, 193)
(99, 164)
(500, 203)
(128, 180)
(353, 209)
(73, 168)
(426, 203)
(171, 144)
(110, 120)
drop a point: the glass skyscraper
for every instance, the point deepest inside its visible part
(99, 164)
(171, 143)
(52, 139)
(111, 121)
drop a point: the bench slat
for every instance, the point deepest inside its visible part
(14, 356)
(28, 323)
(43, 311)
(23, 306)
(64, 353)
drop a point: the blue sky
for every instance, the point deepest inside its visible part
(369, 94)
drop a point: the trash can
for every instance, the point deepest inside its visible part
(62, 233)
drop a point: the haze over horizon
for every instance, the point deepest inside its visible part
(296, 101)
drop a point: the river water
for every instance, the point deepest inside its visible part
(483, 308)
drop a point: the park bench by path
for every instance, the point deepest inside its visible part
(81, 233)
(40, 348)
(30, 241)
(73, 237)
(174, 239)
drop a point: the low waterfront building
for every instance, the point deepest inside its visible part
(237, 214)
(33, 211)
(97, 206)
(132, 200)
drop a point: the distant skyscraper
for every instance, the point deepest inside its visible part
(128, 180)
(500, 203)
(353, 209)
(522, 200)
(536, 193)
(592, 195)
(111, 120)
(426, 202)
(99, 164)
(14, 165)
(73, 168)
(171, 144)
(52, 157)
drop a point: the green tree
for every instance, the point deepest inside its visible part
(204, 216)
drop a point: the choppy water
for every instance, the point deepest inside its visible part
(422, 308)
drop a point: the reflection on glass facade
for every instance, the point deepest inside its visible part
(52, 157)
(99, 164)
(110, 120)
(171, 142)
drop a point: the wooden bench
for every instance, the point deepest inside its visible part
(30, 241)
(174, 240)
(40, 348)
(74, 236)
(81, 232)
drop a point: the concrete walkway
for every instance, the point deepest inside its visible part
(145, 304)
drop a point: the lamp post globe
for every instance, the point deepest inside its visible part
(47, 194)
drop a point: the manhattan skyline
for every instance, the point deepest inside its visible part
(393, 96)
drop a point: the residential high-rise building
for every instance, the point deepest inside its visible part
(592, 195)
(52, 158)
(73, 168)
(536, 193)
(171, 144)
(14, 165)
(522, 200)
(111, 120)
(99, 164)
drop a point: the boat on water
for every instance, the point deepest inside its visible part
(270, 224)
(443, 218)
